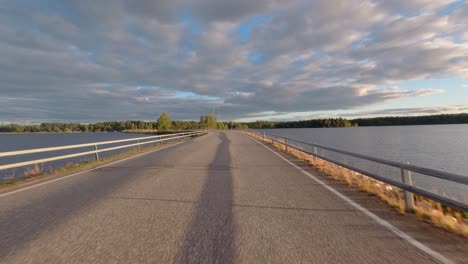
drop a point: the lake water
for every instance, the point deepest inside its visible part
(10, 142)
(441, 147)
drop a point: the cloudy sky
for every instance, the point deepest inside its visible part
(87, 60)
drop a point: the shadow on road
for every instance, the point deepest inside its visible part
(210, 236)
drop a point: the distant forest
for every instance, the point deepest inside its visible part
(206, 122)
(96, 127)
(329, 122)
(210, 122)
(413, 120)
(377, 121)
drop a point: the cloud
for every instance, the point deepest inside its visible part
(410, 111)
(113, 60)
(206, 11)
(330, 98)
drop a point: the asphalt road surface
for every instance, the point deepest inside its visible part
(220, 198)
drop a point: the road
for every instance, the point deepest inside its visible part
(220, 198)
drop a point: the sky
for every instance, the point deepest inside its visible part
(90, 61)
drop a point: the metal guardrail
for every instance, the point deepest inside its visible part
(96, 151)
(406, 169)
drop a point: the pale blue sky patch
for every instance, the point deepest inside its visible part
(257, 57)
(244, 30)
(439, 83)
(298, 64)
(458, 39)
(452, 7)
(191, 95)
(190, 23)
(192, 30)
(454, 93)
(181, 94)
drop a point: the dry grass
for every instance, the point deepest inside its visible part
(427, 210)
(28, 174)
(8, 179)
(34, 171)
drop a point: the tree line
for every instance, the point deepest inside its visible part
(376, 121)
(77, 127)
(413, 120)
(313, 123)
(163, 123)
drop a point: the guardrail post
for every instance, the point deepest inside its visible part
(263, 136)
(96, 154)
(139, 148)
(314, 151)
(408, 196)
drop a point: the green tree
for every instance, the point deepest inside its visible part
(164, 122)
(208, 122)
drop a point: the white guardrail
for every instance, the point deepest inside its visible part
(405, 184)
(96, 151)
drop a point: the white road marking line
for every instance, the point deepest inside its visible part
(81, 172)
(392, 228)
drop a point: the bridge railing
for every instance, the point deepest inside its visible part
(406, 183)
(133, 142)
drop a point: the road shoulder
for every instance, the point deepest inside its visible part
(447, 244)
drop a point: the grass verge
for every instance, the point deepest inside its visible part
(427, 210)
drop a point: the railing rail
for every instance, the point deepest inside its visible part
(38, 150)
(159, 138)
(406, 183)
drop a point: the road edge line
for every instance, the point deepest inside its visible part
(434, 254)
(85, 171)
